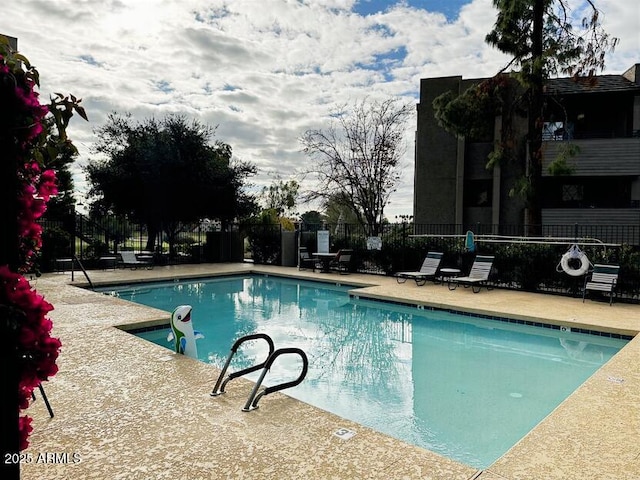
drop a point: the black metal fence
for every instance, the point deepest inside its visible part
(530, 263)
(622, 234)
(522, 261)
(90, 240)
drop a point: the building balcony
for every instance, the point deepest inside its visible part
(597, 157)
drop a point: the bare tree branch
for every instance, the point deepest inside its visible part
(357, 157)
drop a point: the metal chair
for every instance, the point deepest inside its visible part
(342, 262)
(603, 278)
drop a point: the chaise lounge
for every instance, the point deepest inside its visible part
(129, 259)
(478, 275)
(428, 270)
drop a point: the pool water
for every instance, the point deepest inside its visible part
(465, 387)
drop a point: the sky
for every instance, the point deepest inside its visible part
(264, 71)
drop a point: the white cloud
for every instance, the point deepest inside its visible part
(264, 71)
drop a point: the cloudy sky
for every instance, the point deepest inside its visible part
(264, 71)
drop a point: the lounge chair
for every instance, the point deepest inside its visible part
(305, 260)
(428, 270)
(478, 275)
(603, 278)
(342, 262)
(129, 259)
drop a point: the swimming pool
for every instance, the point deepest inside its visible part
(465, 387)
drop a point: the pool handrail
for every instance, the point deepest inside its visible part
(219, 387)
(252, 401)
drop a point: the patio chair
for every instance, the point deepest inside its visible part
(305, 260)
(427, 271)
(342, 262)
(478, 275)
(129, 259)
(603, 278)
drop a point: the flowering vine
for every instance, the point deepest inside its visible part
(37, 349)
(28, 142)
(37, 188)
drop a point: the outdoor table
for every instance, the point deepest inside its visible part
(63, 264)
(448, 273)
(325, 260)
(108, 261)
(145, 257)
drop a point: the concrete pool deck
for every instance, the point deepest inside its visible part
(128, 409)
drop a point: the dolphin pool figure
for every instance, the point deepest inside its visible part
(182, 332)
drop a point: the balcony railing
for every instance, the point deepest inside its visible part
(597, 157)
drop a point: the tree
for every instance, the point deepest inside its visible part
(542, 41)
(166, 172)
(281, 196)
(63, 202)
(311, 217)
(338, 211)
(357, 157)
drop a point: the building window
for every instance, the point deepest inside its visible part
(572, 193)
(552, 131)
(587, 192)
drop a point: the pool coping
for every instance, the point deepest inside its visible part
(547, 448)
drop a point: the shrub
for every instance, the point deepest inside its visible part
(55, 244)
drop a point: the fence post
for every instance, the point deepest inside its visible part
(280, 259)
(76, 234)
(404, 244)
(70, 227)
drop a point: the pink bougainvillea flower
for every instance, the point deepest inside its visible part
(48, 185)
(38, 350)
(35, 347)
(25, 429)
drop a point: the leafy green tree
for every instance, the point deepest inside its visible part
(281, 196)
(63, 203)
(264, 236)
(467, 114)
(542, 41)
(166, 172)
(339, 211)
(357, 158)
(312, 217)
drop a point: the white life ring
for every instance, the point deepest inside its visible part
(575, 254)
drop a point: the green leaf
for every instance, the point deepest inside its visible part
(560, 165)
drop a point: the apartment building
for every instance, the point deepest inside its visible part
(600, 120)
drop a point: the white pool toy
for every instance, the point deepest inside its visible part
(182, 332)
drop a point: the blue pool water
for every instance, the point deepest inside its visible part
(465, 387)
